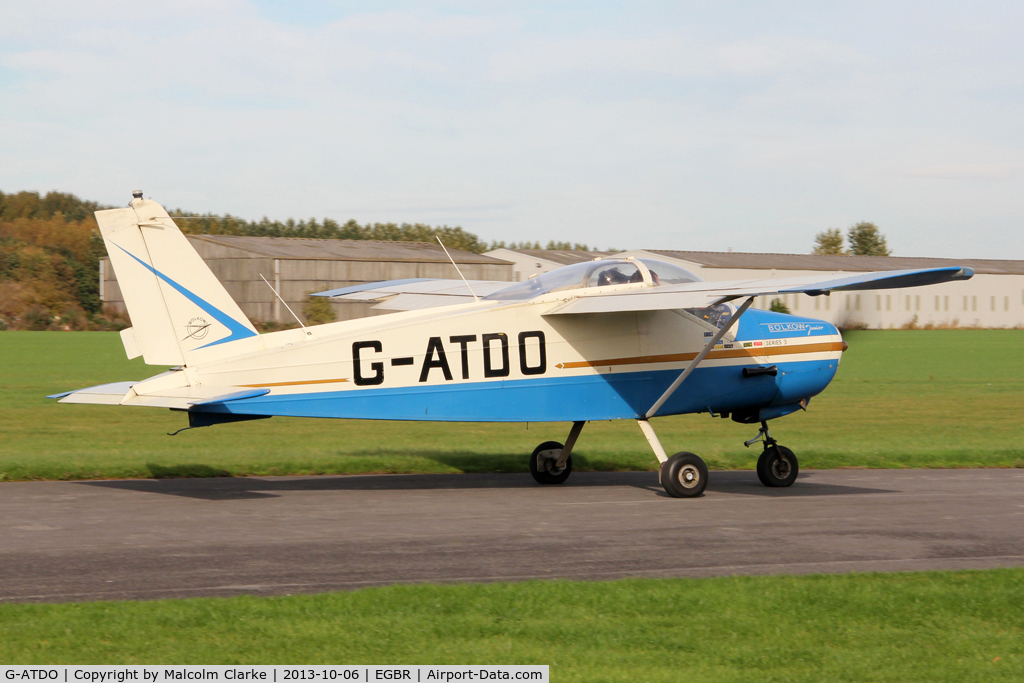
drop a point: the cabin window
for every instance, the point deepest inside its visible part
(664, 273)
(597, 273)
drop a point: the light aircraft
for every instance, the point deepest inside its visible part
(609, 339)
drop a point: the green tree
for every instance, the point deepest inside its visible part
(829, 242)
(318, 310)
(867, 240)
(779, 306)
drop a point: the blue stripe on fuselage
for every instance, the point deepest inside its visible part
(549, 399)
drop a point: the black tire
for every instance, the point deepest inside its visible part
(777, 467)
(542, 468)
(760, 468)
(684, 475)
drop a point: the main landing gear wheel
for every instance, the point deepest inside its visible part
(684, 475)
(777, 467)
(544, 464)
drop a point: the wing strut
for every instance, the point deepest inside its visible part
(696, 361)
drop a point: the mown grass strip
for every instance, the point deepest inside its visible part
(931, 626)
(936, 398)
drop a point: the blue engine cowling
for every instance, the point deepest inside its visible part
(795, 381)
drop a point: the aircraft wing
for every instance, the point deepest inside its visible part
(414, 293)
(124, 393)
(702, 294)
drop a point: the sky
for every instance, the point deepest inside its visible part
(682, 125)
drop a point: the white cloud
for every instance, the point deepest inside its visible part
(636, 130)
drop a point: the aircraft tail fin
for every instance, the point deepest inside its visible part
(179, 310)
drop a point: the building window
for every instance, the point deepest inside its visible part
(993, 303)
(878, 302)
(965, 303)
(817, 303)
(908, 302)
(936, 302)
(945, 303)
(847, 302)
(828, 303)
(974, 303)
(888, 302)
(917, 302)
(796, 302)
(1006, 303)
(856, 302)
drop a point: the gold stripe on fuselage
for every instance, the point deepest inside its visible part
(750, 352)
(294, 384)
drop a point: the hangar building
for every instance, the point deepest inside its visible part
(994, 297)
(298, 266)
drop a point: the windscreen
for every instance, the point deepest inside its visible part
(579, 275)
(663, 273)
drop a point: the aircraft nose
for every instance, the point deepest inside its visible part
(802, 380)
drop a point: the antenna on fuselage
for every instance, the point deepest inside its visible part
(475, 297)
(308, 333)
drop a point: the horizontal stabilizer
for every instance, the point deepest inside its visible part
(236, 396)
(101, 394)
(181, 398)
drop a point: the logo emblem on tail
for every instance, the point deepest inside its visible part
(197, 328)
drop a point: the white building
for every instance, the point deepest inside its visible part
(994, 297)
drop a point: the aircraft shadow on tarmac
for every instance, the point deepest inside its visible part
(242, 488)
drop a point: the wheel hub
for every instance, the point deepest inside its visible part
(781, 468)
(547, 461)
(689, 476)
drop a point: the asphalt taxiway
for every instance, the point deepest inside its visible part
(103, 540)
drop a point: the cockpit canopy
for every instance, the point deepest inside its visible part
(598, 273)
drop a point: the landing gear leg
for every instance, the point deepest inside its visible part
(684, 475)
(777, 466)
(551, 462)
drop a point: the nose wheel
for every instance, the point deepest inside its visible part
(777, 467)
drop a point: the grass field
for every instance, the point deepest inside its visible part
(935, 626)
(936, 398)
